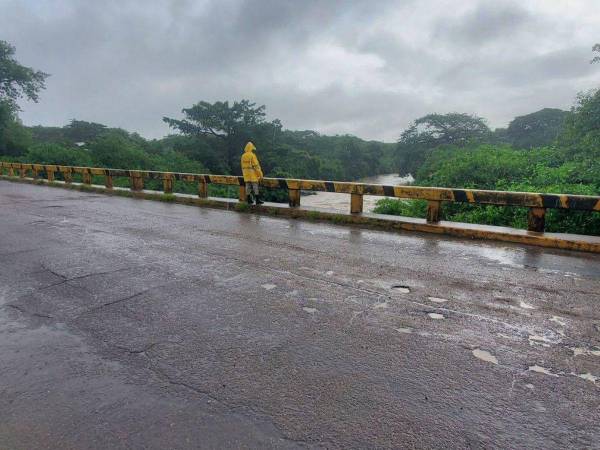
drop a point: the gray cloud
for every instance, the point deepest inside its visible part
(366, 68)
(486, 22)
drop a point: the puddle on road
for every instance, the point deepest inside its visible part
(404, 330)
(543, 370)
(586, 376)
(484, 356)
(310, 310)
(401, 288)
(437, 300)
(436, 316)
(559, 320)
(577, 351)
(268, 287)
(546, 340)
(524, 305)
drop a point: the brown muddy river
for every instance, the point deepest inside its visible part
(341, 202)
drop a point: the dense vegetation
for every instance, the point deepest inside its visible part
(549, 150)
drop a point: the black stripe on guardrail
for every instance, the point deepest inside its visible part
(282, 183)
(550, 201)
(329, 186)
(388, 191)
(460, 195)
(581, 203)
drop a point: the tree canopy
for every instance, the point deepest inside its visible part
(537, 129)
(16, 80)
(232, 125)
(433, 130)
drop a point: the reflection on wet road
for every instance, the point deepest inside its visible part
(135, 324)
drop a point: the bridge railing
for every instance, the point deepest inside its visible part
(536, 202)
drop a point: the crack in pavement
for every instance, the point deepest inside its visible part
(235, 409)
(66, 280)
(29, 313)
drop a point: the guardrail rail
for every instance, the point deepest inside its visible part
(536, 202)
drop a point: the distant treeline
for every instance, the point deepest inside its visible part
(283, 153)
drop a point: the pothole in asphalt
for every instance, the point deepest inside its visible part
(586, 376)
(401, 288)
(546, 339)
(436, 316)
(484, 356)
(577, 351)
(559, 320)
(268, 287)
(406, 330)
(437, 300)
(524, 305)
(540, 369)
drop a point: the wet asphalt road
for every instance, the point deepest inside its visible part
(136, 324)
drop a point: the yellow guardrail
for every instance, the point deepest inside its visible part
(536, 202)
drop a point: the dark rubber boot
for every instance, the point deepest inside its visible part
(249, 199)
(259, 200)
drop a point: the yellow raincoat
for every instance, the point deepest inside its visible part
(250, 165)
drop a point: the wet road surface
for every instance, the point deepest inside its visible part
(136, 324)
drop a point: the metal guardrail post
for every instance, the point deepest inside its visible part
(86, 176)
(433, 211)
(136, 181)
(202, 189)
(50, 174)
(67, 175)
(356, 203)
(536, 219)
(242, 194)
(22, 172)
(108, 180)
(168, 183)
(294, 198)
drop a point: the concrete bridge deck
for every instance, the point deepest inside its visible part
(134, 324)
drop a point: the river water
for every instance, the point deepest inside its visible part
(341, 202)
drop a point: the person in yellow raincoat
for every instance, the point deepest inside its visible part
(252, 174)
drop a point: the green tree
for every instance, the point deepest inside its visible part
(537, 129)
(82, 131)
(14, 137)
(117, 151)
(230, 125)
(581, 135)
(433, 130)
(49, 153)
(16, 81)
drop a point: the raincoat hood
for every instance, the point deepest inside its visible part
(249, 147)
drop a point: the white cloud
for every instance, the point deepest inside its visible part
(366, 68)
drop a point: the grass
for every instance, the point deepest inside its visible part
(168, 198)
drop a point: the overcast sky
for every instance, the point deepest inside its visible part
(362, 67)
